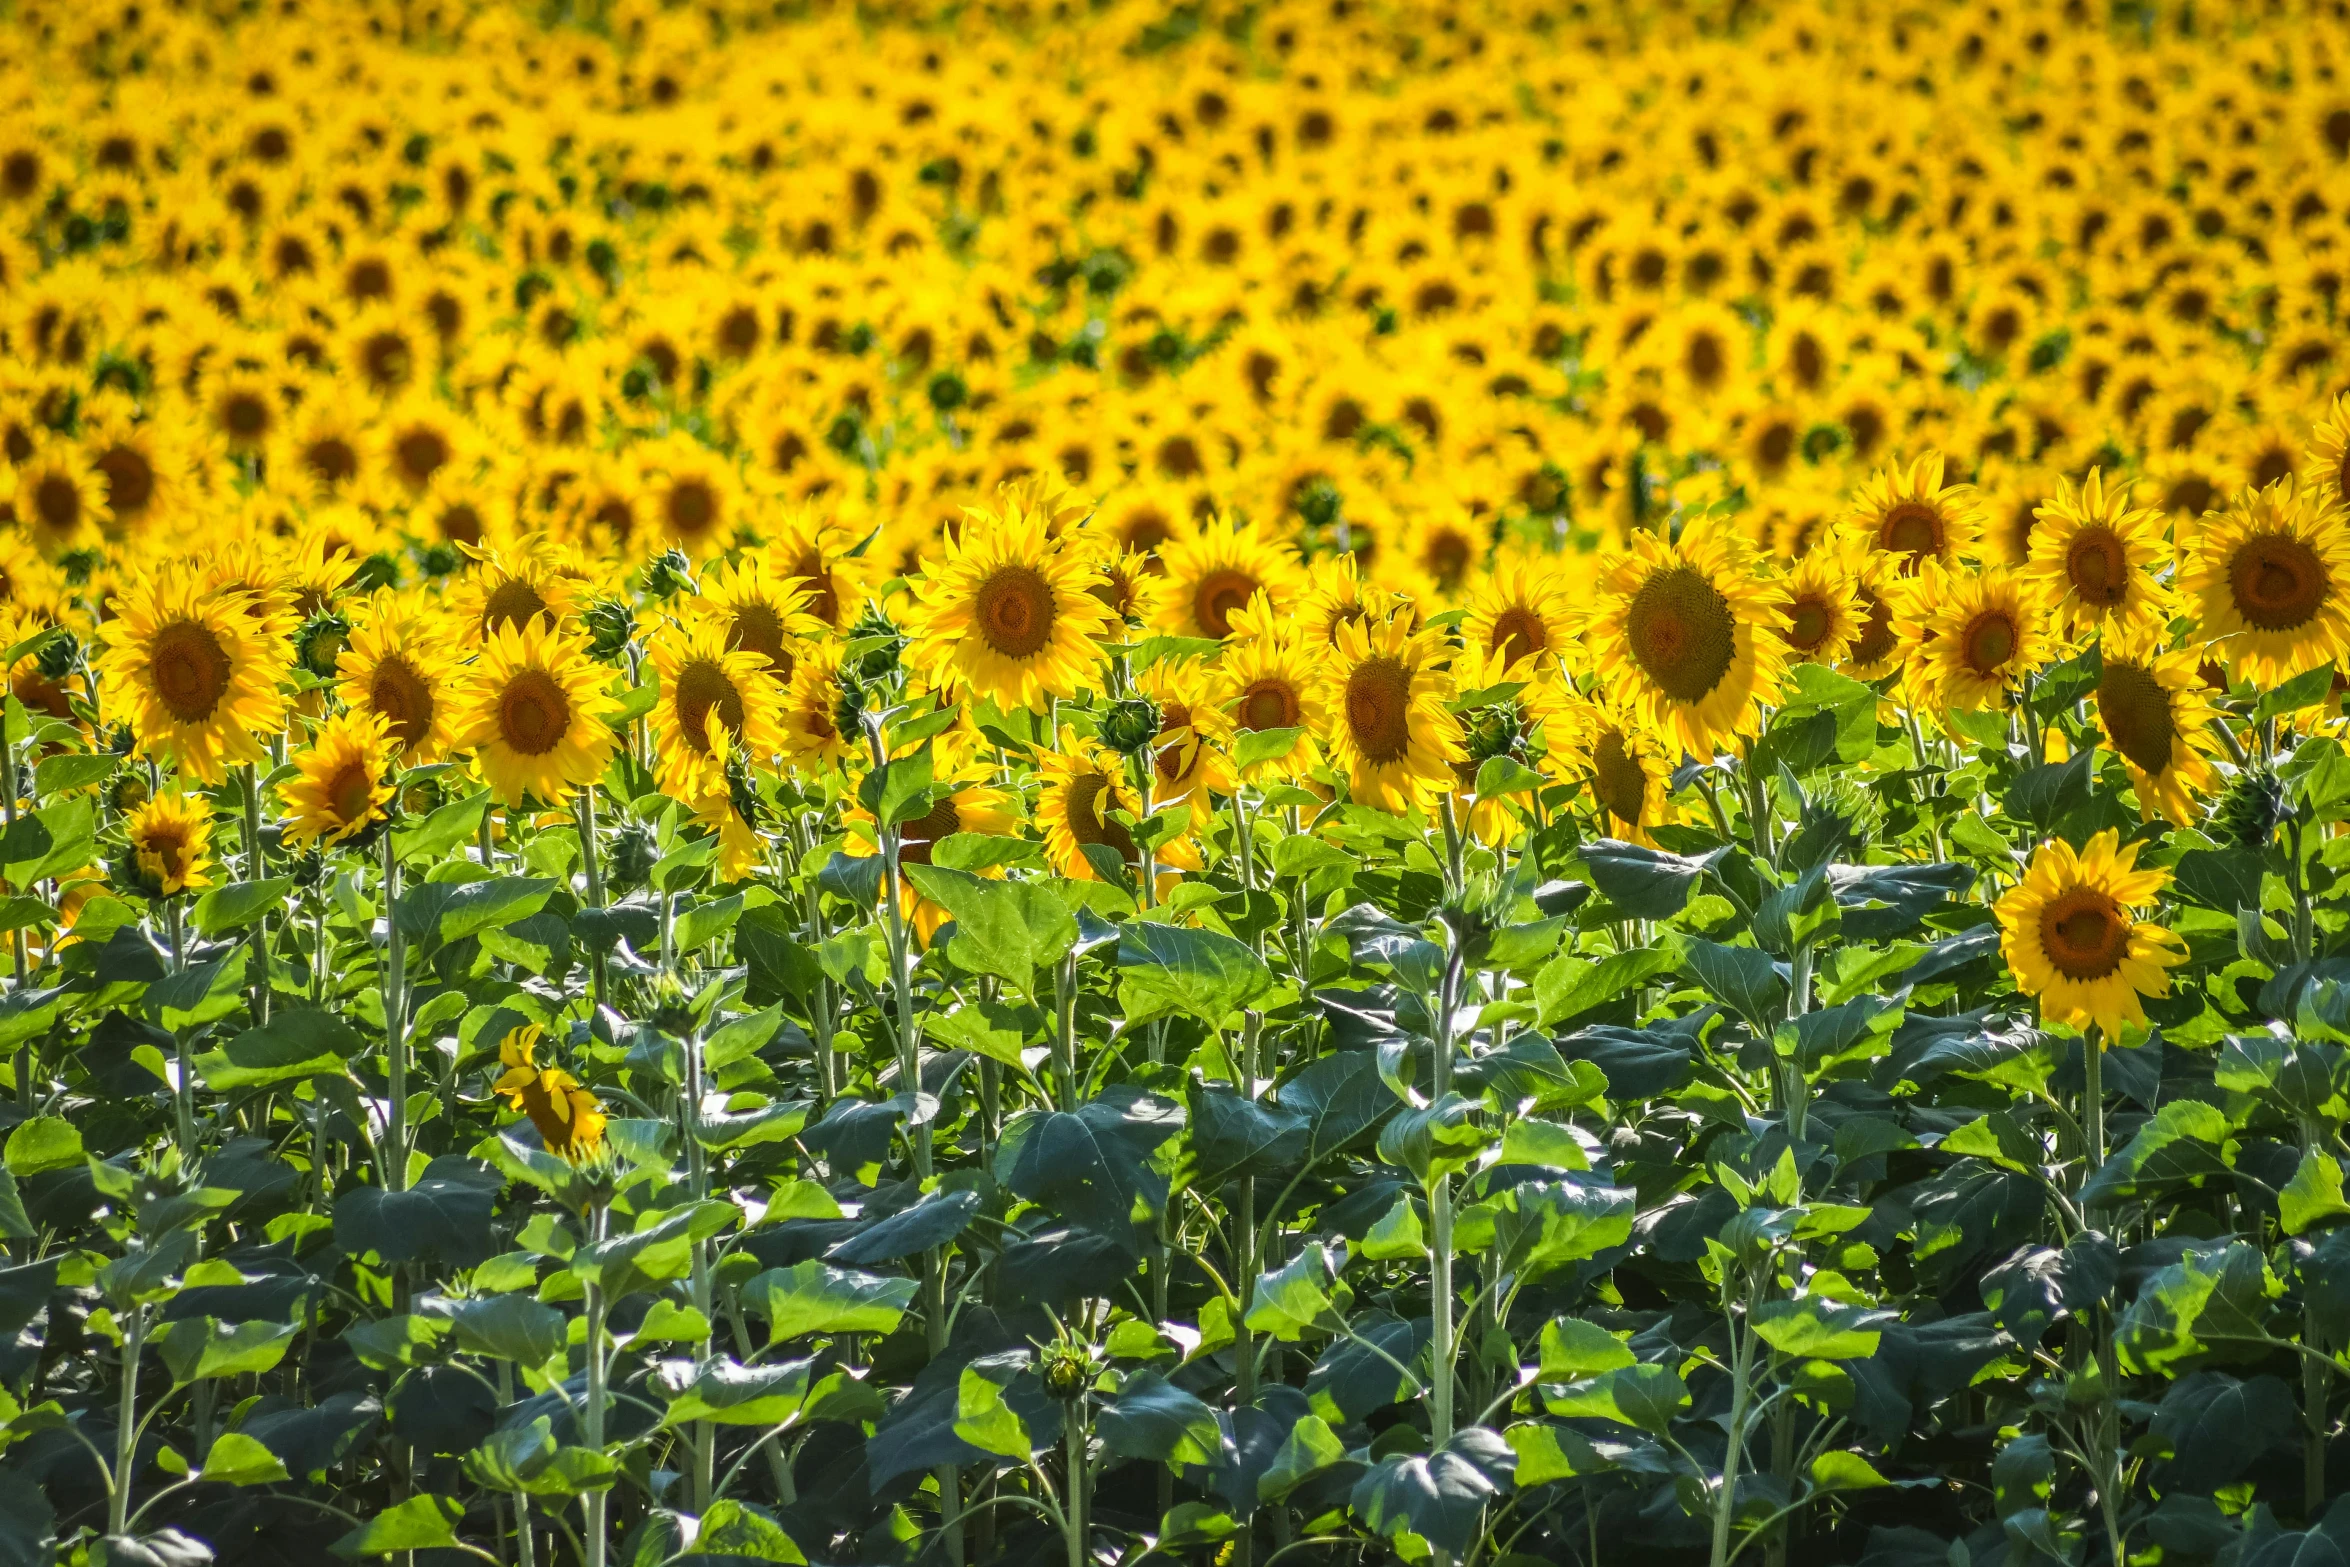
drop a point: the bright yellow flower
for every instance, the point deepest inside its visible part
(198, 676)
(171, 844)
(535, 714)
(2072, 938)
(340, 785)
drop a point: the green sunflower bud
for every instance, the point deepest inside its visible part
(1131, 725)
(319, 645)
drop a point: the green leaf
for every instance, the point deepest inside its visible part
(1094, 1164)
(418, 1524)
(508, 1327)
(815, 1297)
(1842, 1471)
(236, 1459)
(1253, 748)
(1646, 884)
(1501, 776)
(1743, 979)
(240, 903)
(899, 791)
(1813, 1329)
(1174, 970)
(2306, 689)
(1573, 1349)
(2045, 796)
(445, 828)
(978, 851)
(1155, 1420)
(1302, 1294)
(1644, 1396)
(1567, 987)
(292, 1044)
(195, 1349)
(390, 1343)
(2186, 1140)
(1310, 1448)
(41, 1144)
(73, 770)
(201, 994)
(729, 1394)
(486, 905)
(2314, 1195)
(1006, 928)
(984, 1420)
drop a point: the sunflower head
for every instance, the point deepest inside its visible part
(2073, 938)
(1674, 628)
(1910, 515)
(341, 792)
(1008, 614)
(2093, 555)
(2270, 578)
(535, 714)
(1390, 731)
(197, 671)
(170, 844)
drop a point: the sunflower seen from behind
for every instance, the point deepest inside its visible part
(534, 713)
(194, 672)
(1687, 631)
(2094, 556)
(2269, 582)
(2155, 714)
(2073, 938)
(1007, 614)
(1390, 733)
(341, 784)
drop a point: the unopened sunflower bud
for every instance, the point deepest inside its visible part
(1131, 725)
(634, 853)
(671, 573)
(610, 626)
(319, 644)
(2254, 807)
(1494, 731)
(1066, 1370)
(742, 791)
(127, 790)
(848, 708)
(58, 658)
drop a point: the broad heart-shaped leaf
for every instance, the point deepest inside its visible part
(1310, 1448)
(659, 1251)
(2187, 1140)
(1154, 1419)
(2217, 1426)
(1742, 978)
(1646, 884)
(898, 791)
(43, 1143)
(296, 1043)
(1644, 1396)
(1841, 1471)
(1884, 901)
(239, 903)
(1302, 1294)
(1573, 1349)
(815, 1297)
(236, 1459)
(2210, 1305)
(1542, 1226)
(1171, 970)
(1567, 987)
(418, 1524)
(1368, 1369)
(729, 1394)
(984, 1420)
(195, 1349)
(1341, 1097)
(2224, 879)
(1815, 1329)
(2305, 689)
(507, 1327)
(445, 1215)
(1093, 1165)
(2314, 1195)
(1009, 929)
(1637, 1063)
(1232, 1136)
(2039, 1286)
(1439, 1496)
(1437, 1138)
(442, 830)
(2045, 796)
(937, 1219)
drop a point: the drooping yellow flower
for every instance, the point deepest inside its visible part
(197, 675)
(1877, 648)
(1984, 631)
(1214, 570)
(340, 787)
(1389, 731)
(1007, 614)
(706, 688)
(811, 715)
(2073, 940)
(534, 713)
(397, 664)
(1630, 774)
(171, 844)
(820, 556)
(2152, 707)
(1911, 515)
(569, 1119)
(2269, 581)
(1685, 631)
(1081, 787)
(1190, 759)
(2094, 555)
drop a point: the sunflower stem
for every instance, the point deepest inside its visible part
(183, 1089)
(395, 1157)
(593, 864)
(593, 1504)
(249, 781)
(2092, 1104)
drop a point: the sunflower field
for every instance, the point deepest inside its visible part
(1473, 782)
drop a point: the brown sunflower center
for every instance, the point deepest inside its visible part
(1090, 821)
(2099, 567)
(1269, 704)
(823, 601)
(191, 670)
(405, 700)
(759, 629)
(692, 509)
(244, 417)
(1988, 642)
(422, 452)
(1016, 611)
(1175, 758)
(701, 686)
(2278, 582)
(1379, 708)
(1809, 620)
(460, 523)
(2084, 933)
(513, 602)
(915, 838)
(2136, 713)
(351, 792)
(534, 714)
(169, 846)
(1911, 528)
(1682, 632)
(130, 481)
(1876, 641)
(1219, 594)
(1519, 633)
(57, 501)
(1618, 778)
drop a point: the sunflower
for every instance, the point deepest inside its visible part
(812, 712)
(199, 675)
(171, 842)
(567, 1116)
(971, 803)
(341, 784)
(1390, 733)
(1336, 592)
(2093, 555)
(1982, 632)
(692, 494)
(1674, 627)
(701, 681)
(823, 557)
(1215, 570)
(534, 713)
(2071, 940)
(1629, 773)
(1190, 759)
(1082, 785)
(396, 664)
(1913, 516)
(1133, 586)
(1269, 683)
(504, 592)
(1520, 611)
(145, 472)
(2269, 581)
(61, 495)
(757, 611)
(2328, 466)
(1537, 725)
(1825, 614)
(1882, 594)
(1007, 614)
(2152, 707)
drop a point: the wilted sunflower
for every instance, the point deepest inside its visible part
(340, 785)
(1825, 613)
(1008, 614)
(2094, 555)
(2072, 939)
(568, 1117)
(2269, 580)
(1983, 632)
(1521, 612)
(1910, 514)
(2152, 707)
(397, 664)
(758, 611)
(171, 844)
(193, 673)
(1674, 631)
(1214, 570)
(534, 713)
(1389, 732)
(705, 688)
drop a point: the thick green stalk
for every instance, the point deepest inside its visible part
(183, 1093)
(1442, 1349)
(593, 1505)
(1741, 1394)
(704, 1435)
(395, 991)
(594, 867)
(126, 1423)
